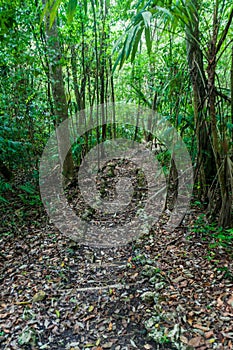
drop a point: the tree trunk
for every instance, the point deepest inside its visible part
(232, 93)
(59, 97)
(205, 171)
(225, 217)
(222, 160)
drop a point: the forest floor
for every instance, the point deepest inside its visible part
(163, 291)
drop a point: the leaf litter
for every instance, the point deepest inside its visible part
(159, 292)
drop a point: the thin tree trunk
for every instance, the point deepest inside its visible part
(59, 97)
(232, 92)
(97, 76)
(75, 78)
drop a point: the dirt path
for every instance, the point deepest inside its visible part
(163, 291)
(58, 295)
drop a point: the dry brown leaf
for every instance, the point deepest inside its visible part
(184, 339)
(219, 300)
(178, 279)
(199, 326)
(134, 276)
(209, 334)
(197, 341)
(190, 321)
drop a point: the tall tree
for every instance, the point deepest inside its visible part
(205, 170)
(59, 96)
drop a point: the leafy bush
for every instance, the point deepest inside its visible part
(217, 236)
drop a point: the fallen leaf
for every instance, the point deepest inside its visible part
(197, 341)
(184, 339)
(39, 296)
(190, 321)
(91, 308)
(211, 341)
(107, 345)
(209, 334)
(178, 279)
(219, 301)
(98, 343)
(202, 328)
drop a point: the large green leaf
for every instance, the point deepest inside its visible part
(85, 6)
(71, 9)
(148, 40)
(146, 15)
(130, 41)
(44, 12)
(53, 12)
(136, 42)
(122, 55)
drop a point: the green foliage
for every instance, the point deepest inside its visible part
(71, 9)
(141, 22)
(7, 20)
(227, 273)
(216, 236)
(223, 238)
(13, 151)
(140, 258)
(23, 126)
(29, 194)
(4, 187)
(164, 159)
